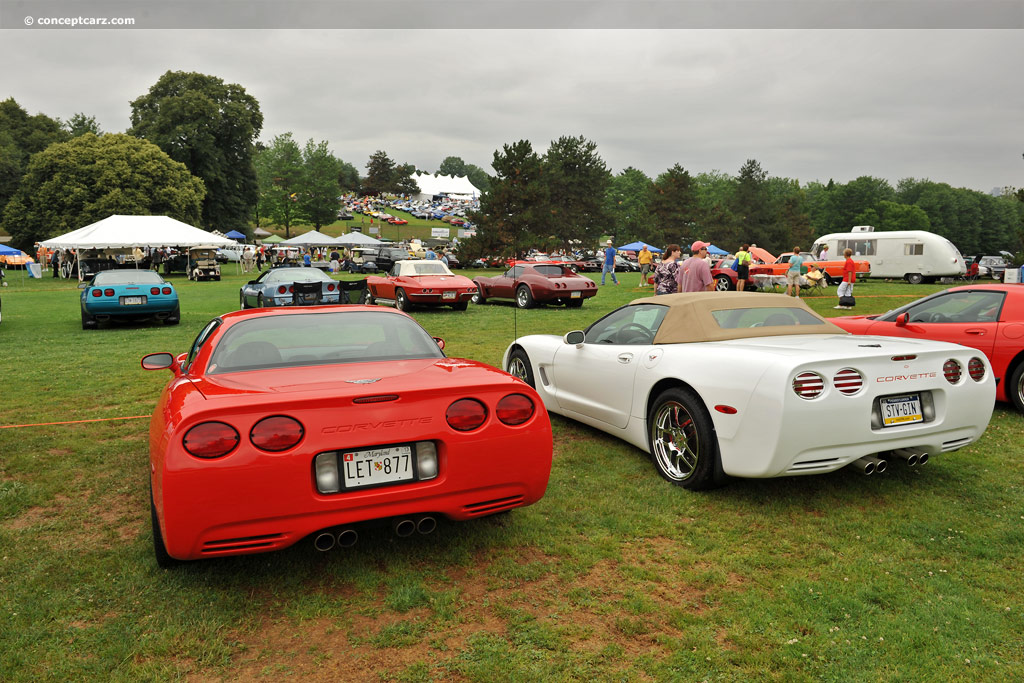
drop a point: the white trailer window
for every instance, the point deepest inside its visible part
(913, 249)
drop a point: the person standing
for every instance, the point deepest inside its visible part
(430, 255)
(823, 254)
(644, 258)
(849, 277)
(694, 274)
(793, 274)
(665, 272)
(609, 263)
(55, 263)
(743, 258)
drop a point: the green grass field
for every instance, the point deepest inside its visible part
(614, 576)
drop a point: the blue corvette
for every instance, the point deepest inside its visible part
(290, 286)
(130, 295)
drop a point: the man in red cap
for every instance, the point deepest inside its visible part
(694, 274)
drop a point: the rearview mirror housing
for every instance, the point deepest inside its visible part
(576, 338)
(902, 319)
(157, 361)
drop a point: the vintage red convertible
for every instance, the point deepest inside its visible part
(531, 283)
(417, 282)
(986, 317)
(832, 268)
(283, 424)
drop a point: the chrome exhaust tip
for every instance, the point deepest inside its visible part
(922, 459)
(880, 464)
(347, 538)
(912, 456)
(324, 541)
(865, 465)
(404, 527)
(426, 525)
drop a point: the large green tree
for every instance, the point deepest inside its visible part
(380, 174)
(577, 181)
(320, 186)
(75, 183)
(80, 124)
(282, 178)
(454, 166)
(21, 136)
(755, 220)
(348, 177)
(478, 177)
(402, 181)
(674, 209)
(627, 203)
(211, 127)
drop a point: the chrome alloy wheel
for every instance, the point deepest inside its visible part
(517, 368)
(675, 441)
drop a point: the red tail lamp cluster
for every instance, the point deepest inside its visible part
(282, 289)
(976, 369)
(156, 290)
(216, 439)
(952, 371)
(848, 381)
(808, 385)
(468, 414)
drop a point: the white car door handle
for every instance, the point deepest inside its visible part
(625, 357)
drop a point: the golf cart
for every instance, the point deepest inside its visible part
(202, 263)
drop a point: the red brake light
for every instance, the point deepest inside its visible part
(277, 433)
(210, 440)
(951, 369)
(330, 288)
(97, 292)
(108, 292)
(976, 369)
(167, 290)
(154, 290)
(282, 289)
(466, 414)
(514, 409)
(808, 385)
(291, 289)
(848, 381)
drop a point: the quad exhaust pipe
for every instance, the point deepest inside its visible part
(407, 526)
(913, 456)
(328, 540)
(869, 464)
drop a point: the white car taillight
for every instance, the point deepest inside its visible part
(976, 369)
(952, 371)
(808, 385)
(848, 381)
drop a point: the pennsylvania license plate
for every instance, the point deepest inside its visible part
(133, 300)
(447, 295)
(376, 466)
(576, 295)
(899, 410)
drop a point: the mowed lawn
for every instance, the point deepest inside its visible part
(614, 576)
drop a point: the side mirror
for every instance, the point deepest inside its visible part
(251, 282)
(902, 319)
(83, 285)
(440, 343)
(157, 361)
(576, 338)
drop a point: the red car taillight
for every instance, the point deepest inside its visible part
(154, 290)
(466, 414)
(976, 369)
(848, 381)
(166, 290)
(330, 288)
(952, 370)
(808, 385)
(281, 289)
(277, 433)
(210, 440)
(97, 292)
(108, 292)
(514, 409)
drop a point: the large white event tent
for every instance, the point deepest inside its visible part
(356, 239)
(312, 238)
(453, 186)
(135, 231)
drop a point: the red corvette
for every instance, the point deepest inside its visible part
(540, 282)
(415, 282)
(989, 318)
(283, 424)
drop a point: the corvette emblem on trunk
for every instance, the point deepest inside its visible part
(363, 381)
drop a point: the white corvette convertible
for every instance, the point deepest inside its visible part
(757, 385)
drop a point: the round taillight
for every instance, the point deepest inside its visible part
(166, 290)
(514, 409)
(466, 414)
(291, 289)
(108, 292)
(330, 288)
(952, 370)
(976, 369)
(276, 433)
(154, 290)
(848, 381)
(282, 289)
(210, 440)
(97, 292)
(808, 385)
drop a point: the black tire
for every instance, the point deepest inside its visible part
(259, 301)
(914, 278)
(368, 299)
(828, 279)
(519, 366)
(478, 297)
(461, 306)
(524, 297)
(241, 302)
(1015, 389)
(88, 321)
(175, 317)
(682, 442)
(163, 558)
(574, 303)
(401, 300)
(723, 283)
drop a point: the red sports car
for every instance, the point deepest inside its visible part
(415, 282)
(533, 283)
(281, 424)
(989, 318)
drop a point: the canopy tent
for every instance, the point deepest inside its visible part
(356, 238)
(135, 231)
(260, 232)
(717, 251)
(312, 238)
(273, 239)
(637, 246)
(235, 235)
(453, 186)
(9, 251)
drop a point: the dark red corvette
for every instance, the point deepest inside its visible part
(989, 318)
(529, 284)
(283, 424)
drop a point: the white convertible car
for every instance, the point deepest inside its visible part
(757, 385)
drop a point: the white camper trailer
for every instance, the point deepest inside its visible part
(915, 255)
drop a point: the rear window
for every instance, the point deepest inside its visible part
(127, 277)
(742, 318)
(551, 271)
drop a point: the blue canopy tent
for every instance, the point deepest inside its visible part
(9, 251)
(712, 249)
(637, 246)
(235, 235)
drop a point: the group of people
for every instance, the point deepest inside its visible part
(692, 275)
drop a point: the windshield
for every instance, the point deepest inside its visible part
(127, 277)
(296, 275)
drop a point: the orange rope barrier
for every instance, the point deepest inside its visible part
(74, 422)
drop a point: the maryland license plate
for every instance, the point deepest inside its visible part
(133, 300)
(900, 410)
(375, 466)
(447, 295)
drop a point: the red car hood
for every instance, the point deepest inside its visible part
(853, 323)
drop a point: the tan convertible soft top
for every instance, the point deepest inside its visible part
(689, 318)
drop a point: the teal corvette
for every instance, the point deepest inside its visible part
(129, 295)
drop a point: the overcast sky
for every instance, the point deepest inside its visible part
(807, 104)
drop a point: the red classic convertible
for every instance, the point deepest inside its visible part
(989, 318)
(540, 282)
(415, 282)
(282, 424)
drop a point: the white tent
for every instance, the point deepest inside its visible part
(453, 186)
(356, 238)
(310, 239)
(135, 231)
